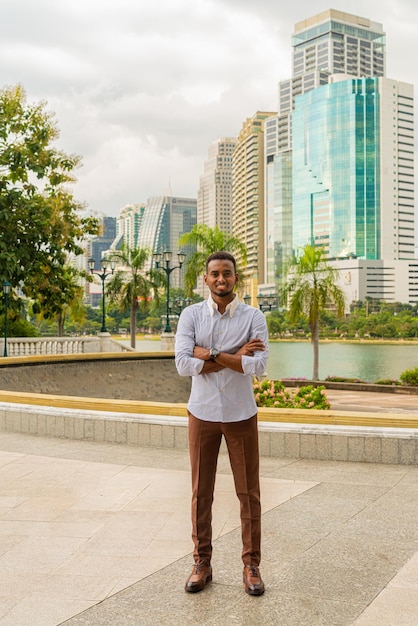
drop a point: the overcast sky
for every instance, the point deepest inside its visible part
(140, 89)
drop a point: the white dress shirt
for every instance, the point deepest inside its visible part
(226, 395)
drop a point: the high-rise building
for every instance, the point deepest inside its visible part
(128, 226)
(214, 198)
(96, 249)
(340, 155)
(165, 219)
(102, 242)
(353, 160)
(278, 199)
(332, 42)
(248, 199)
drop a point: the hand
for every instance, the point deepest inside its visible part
(201, 353)
(252, 346)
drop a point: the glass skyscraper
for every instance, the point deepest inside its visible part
(336, 168)
(165, 219)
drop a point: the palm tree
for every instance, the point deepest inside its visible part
(207, 240)
(311, 288)
(131, 287)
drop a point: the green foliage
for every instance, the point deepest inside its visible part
(207, 241)
(379, 320)
(58, 294)
(410, 377)
(40, 220)
(153, 324)
(272, 393)
(276, 323)
(387, 381)
(19, 327)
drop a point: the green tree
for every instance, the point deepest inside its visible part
(275, 323)
(311, 288)
(40, 220)
(131, 287)
(207, 240)
(59, 293)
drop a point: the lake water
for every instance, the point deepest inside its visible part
(368, 362)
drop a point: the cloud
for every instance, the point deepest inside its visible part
(140, 89)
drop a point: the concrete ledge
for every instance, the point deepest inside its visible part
(341, 386)
(168, 429)
(137, 407)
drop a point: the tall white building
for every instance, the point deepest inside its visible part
(214, 197)
(128, 225)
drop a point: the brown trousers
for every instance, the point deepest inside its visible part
(242, 443)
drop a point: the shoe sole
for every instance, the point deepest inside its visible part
(255, 592)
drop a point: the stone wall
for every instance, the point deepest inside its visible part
(154, 380)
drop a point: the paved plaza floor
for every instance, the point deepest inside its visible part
(99, 534)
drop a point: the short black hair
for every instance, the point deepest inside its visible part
(221, 256)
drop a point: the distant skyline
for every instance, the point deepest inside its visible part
(140, 90)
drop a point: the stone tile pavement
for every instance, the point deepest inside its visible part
(372, 401)
(99, 534)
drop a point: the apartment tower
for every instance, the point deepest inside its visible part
(248, 199)
(214, 198)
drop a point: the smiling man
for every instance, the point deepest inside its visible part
(222, 343)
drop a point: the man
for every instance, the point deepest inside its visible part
(222, 343)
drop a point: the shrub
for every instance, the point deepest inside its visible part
(272, 393)
(342, 379)
(387, 381)
(310, 397)
(410, 377)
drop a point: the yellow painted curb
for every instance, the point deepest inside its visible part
(294, 416)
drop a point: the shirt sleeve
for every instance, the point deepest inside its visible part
(256, 365)
(186, 363)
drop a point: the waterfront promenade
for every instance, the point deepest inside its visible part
(99, 534)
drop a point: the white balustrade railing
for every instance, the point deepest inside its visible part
(28, 346)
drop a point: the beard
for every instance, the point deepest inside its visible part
(222, 294)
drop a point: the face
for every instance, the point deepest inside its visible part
(221, 279)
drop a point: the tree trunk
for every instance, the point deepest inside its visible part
(315, 343)
(134, 308)
(61, 320)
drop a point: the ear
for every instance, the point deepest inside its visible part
(205, 279)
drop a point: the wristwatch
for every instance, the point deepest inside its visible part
(214, 352)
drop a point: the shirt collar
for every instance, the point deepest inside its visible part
(230, 308)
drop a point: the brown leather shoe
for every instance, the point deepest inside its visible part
(201, 575)
(253, 583)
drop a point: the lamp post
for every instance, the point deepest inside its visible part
(178, 305)
(266, 302)
(165, 257)
(6, 290)
(103, 275)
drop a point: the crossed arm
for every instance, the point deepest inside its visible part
(226, 359)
